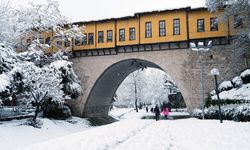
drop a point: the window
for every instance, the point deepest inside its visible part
(176, 26)
(109, 36)
(84, 39)
(91, 38)
(148, 29)
(200, 25)
(122, 35)
(41, 40)
(47, 40)
(28, 40)
(131, 33)
(66, 41)
(214, 24)
(238, 21)
(162, 28)
(100, 37)
(59, 44)
(78, 41)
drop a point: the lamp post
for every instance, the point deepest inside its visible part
(201, 48)
(215, 72)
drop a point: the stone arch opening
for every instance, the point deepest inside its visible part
(100, 97)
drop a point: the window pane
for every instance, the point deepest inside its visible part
(77, 40)
(84, 39)
(148, 29)
(162, 28)
(176, 26)
(47, 41)
(214, 24)
(200, 25)
(109, 36)
(238, 21)
(66, 41)
(132, 34)
(122, 34)
(59, 44)
(90, 38)
(41, 40)
(100, 37)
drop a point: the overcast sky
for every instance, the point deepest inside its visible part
(85, 10)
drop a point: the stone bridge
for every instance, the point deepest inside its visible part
(101, 75)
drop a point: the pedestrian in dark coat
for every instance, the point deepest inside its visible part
(157, 112)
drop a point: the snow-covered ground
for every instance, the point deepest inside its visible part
(13, 134)
(128, 134)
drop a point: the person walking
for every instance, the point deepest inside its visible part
(146, 108)
(165, 112)
(157, 112)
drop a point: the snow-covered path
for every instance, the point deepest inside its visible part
(137, 134)
(99, 138)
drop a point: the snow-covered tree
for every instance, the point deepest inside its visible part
(39, 84)
(32, 76)
(8, 58)
(6, 32)
(129, 92)
(150, 88)
(238, 11)
(16, 25)
(70, 82)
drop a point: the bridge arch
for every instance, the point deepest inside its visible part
(100, 97)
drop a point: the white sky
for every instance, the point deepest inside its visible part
(85, 10)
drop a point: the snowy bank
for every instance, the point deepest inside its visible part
(23, 135)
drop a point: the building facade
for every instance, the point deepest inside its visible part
(166, 29)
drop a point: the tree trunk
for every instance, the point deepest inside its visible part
(36, 112)
(136, 107)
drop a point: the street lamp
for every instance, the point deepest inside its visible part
(201, 48)
(215, 72)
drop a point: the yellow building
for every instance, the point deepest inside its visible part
(166, 29)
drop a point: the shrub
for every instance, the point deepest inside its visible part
(211, 102)
(236, 112)
(55, 110)
(225, 86)
(245, 76)
(237, 82)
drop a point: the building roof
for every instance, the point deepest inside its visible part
(140, 14)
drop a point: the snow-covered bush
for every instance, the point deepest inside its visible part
(34, 54)
(213, 102)
(225, 86)
(212, 93)
(5, 89)
(7, 58)
(245, 76)
(70, 82)
(236, 112)
(237, 82)
(55, 110)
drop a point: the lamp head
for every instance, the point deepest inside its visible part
(209, 44)
(200, 44)
(193, 46)
(215, 72)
